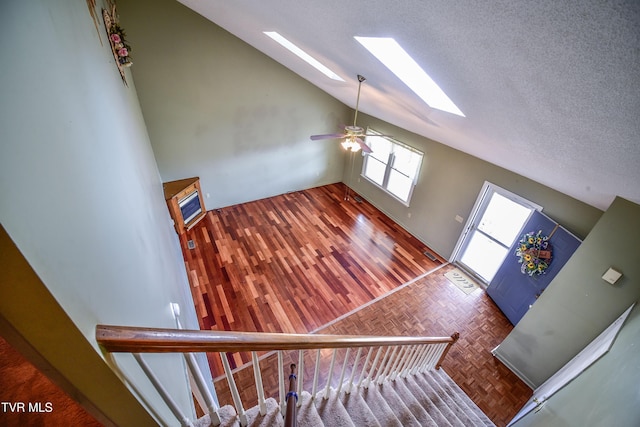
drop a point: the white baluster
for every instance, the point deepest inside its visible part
(421, 355)
(431, 348)
(281, 382)
(439, 353)
(333, 361)
(234, 390)
(364, 366)
(373, 367)
(410, 357)
(344, 366)
(315, 375)
(202, 387)
(258, 380)
(410, 360)
(300, 375)
(173, 406)
(353, 371)
(383, 364)
(390, 362)
(399, 360)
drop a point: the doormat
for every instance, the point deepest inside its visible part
(461, 280)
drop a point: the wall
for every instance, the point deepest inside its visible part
(81, 193)
(605, 394)
(217, 108)
(449, 184)
(578, 305)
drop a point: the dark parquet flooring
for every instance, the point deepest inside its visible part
(297, 262)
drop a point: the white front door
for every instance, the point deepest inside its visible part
(494, 224)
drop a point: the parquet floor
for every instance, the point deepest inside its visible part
(297, 262)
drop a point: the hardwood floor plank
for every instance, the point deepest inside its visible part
(297, 262)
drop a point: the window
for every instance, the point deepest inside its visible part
(392, 165)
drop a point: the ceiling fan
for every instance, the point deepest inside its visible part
(352, 134)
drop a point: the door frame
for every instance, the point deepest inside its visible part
(479, 207)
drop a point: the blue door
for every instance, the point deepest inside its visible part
(514, 291)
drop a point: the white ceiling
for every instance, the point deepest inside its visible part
(550, 89)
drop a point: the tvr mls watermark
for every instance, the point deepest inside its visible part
(27, 407)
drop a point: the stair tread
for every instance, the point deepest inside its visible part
(227, 414)
(358, 409)
(271, 418)
(429, 399)
(379, 407)
(404, 414)
(307, 413)
(456, 399)
(414, 405)
(331, 410)
(462, 399)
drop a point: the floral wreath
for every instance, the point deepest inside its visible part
(534, 253)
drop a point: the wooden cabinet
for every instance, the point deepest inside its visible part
(184, 200)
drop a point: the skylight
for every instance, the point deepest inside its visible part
(396, 59)
(303, 55)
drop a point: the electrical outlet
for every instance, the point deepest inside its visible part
(459, 219)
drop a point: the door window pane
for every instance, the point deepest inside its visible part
(503, 219)
(483, 256)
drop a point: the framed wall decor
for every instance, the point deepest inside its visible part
(116, 35)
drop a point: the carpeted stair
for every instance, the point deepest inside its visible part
(426, 399)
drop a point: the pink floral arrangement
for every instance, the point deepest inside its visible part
(120, 46)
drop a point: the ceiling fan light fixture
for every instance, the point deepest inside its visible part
(400, 63)
(302, 55)
(350, 145)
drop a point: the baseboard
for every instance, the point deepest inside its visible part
(513, 369)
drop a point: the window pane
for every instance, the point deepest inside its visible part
(380, 147)
(503, 219)
(483, 255)
(406, 161)
(374, 170)
(399, 185)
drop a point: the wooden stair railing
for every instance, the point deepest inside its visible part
(403, 356)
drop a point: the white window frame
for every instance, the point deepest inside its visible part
(389, 167)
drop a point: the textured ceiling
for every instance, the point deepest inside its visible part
(550, 89)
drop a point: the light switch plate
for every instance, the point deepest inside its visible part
(611, 276)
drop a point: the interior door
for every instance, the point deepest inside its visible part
(513, 291)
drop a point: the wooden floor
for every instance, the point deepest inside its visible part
(297, 262)
(21, 381)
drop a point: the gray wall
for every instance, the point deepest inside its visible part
(449, 184)
(219, 109)
(81, 194)
(578, 305)
(606, 394)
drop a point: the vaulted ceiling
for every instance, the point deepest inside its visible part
(549, 89)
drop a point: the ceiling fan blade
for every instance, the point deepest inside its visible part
(327, 136)
(365, 147)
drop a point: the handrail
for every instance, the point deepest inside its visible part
(130, 339)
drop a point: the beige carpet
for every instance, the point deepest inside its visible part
(428, 399)
(461, 280)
